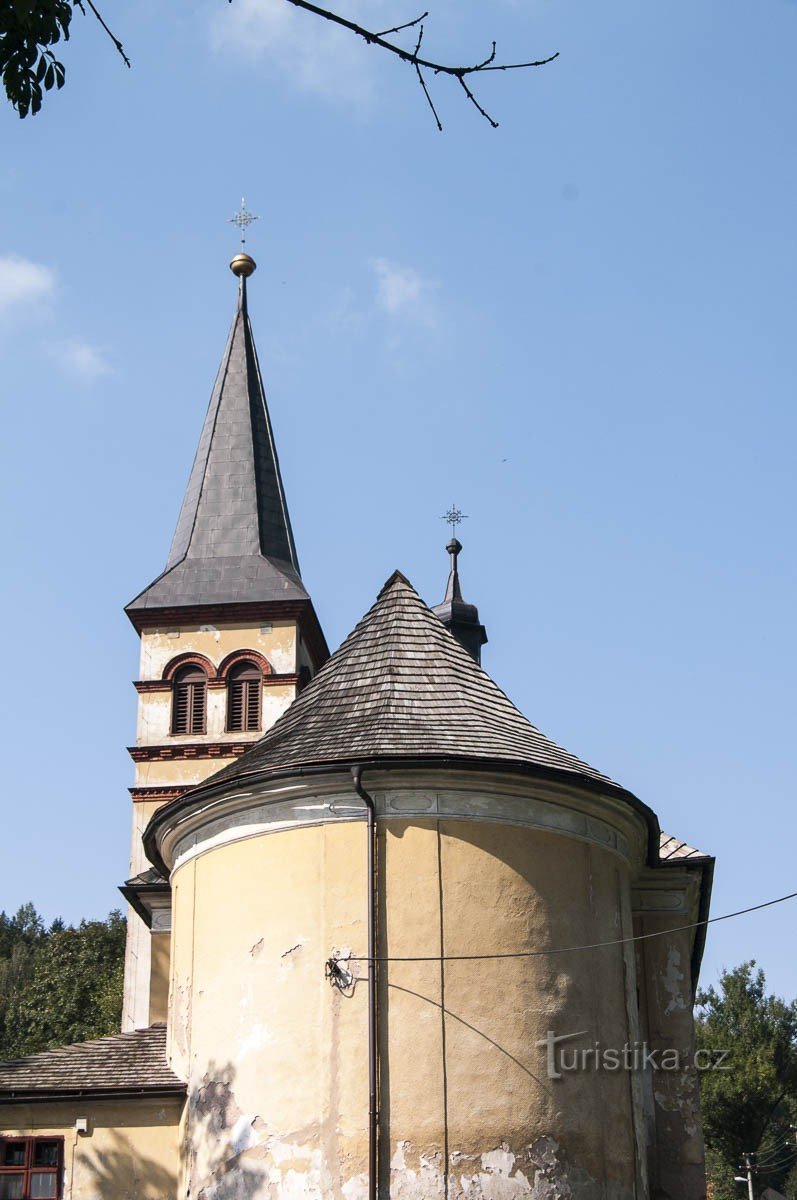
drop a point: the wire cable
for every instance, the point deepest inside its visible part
(640, 937)
(771, 1168)
(766, 1155)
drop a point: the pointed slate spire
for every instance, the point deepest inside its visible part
(233, 542)
(461, 618)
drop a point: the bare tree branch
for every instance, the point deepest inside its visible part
(112, 36)
(398, 28)
(422, 82)
(474, 101)
(413, 57)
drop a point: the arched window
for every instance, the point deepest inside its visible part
(243, 697)
(189, 690)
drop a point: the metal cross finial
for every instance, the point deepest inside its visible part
(243, 220)
(454, 518)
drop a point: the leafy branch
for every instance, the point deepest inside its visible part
(28, 30)
(29, 67)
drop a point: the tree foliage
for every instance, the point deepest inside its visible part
(29, 28)
(58, 985)
(28, 66)
(751, 1107)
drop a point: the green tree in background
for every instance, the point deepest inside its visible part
(58, 985)
(752, 1106)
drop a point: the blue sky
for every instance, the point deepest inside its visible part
(579, 327)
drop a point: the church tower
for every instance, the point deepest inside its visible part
(228, 635)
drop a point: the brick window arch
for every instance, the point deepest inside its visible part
(244, 691)
(189, 699)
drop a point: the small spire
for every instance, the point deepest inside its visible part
(453, 590)
(460, 618)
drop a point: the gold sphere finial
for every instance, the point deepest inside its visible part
(243, 265)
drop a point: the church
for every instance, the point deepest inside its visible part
(386, 940)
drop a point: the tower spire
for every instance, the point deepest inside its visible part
(233, 542)
(460, 618)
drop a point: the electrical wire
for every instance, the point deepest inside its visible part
(773, 1151)
(771, 1168)
(767, 1155)
(640, 937)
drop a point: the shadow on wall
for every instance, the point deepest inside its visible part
(222, 1153)
(120, 1171)
(223, 1150)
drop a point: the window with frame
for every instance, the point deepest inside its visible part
(189, 696)
(244, 684)
(31, 1168)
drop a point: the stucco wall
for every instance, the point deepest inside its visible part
(277, 642)
(276, 1058)
(130, 1152)
(675, 1136)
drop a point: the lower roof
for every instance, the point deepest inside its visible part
(124, 1064)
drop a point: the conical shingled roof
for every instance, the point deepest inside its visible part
(233, 542)
(401, 686)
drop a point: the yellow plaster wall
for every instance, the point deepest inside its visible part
(131, 1151)
(463, 1081)
(177, 772)
(159, 977)
(664, 968)
(277, 643)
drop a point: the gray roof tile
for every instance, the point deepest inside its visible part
(402, 685)
(125, 1062)
(234, 510)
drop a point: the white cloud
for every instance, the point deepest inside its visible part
(81, 359)
(404, 292)
(314, 54)
(22, 281)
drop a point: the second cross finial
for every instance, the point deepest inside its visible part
(243, 219)
(454, 517)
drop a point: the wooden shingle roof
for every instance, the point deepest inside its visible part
(672, 849)
(123, 1064)
(401, 686)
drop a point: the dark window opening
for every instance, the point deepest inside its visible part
(31, 1168)
(188, 701)
(243, 698)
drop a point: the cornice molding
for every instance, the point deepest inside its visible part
(143, 686)
(164, 794)
(269, 807)
(194, 750)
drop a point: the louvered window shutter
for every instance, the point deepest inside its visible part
(188, 701)
(243, 698)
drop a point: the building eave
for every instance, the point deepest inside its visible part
(203, 794)
(56, 1095)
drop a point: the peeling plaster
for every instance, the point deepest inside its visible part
(682, 1100)
(672, 980)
